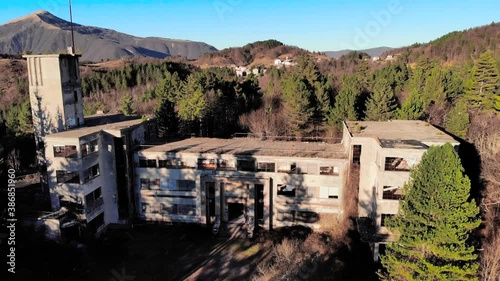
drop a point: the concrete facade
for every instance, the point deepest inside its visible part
(88, 168)
(385, 152)
(278, 186)
(55, 92)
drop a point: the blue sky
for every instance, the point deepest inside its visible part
(316, 25)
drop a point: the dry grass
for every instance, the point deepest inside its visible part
(490, 260)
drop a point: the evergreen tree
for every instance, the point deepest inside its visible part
(345, 102)
(297, 103)
(411, 109)
(483, 88)
(126, 105)
(458, 121)
(434, 221)
(382, 104)
(166, 118)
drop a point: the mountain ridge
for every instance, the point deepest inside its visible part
(42, 32)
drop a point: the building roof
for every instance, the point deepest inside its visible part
(85, 131)
(51, 55)
(253, 146)
(400, 133)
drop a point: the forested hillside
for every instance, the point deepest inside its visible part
(459, 93)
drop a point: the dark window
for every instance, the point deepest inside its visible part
(329, 170)
(392, 193)
(356, 154)
(266, 167)
(207, 164)
(90, 147)
(144, 183)
(96, 223)
(91, 173)
(147, 163)
(67, 151)
(183, 165)
(67, 177)
(306, 217)
(75, 96)
(169, 164)
(93, 200)
(186, 209)
(396, 164)
(286, 190)
(384, 219)
(186, 185)
(154, 184)
(246, 165)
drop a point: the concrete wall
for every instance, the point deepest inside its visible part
(53, 79)
(238, 186)
(76, 192)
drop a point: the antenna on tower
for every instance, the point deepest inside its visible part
(72, 31)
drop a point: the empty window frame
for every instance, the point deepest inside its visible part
(287, 190)
(289, 168)
(207, 164)
(329, 170)
(67, 177)
(356, 154)
(186, 209)
(147, 163)
(93, 199)
(306, 168)
(168, 164)
(266, 167)
(183, 164)
(67, 151)
(392, 193)
(90, 147)
(96, 223)
(246, 165)
(226, 165)
(396, 164)
(91, 173)
(185, 185)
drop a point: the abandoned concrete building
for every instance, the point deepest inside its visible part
(198, 179)
(106, 167)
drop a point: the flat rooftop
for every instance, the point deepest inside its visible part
(252, 146)
(89, 130)
(400, 133)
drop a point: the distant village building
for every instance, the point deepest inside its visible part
(286, 62)
(241, 71)
(375, 58)
(389, 58)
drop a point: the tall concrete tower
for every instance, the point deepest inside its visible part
(55, 96)
(55, 92)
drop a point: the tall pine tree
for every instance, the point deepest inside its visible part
(483, 88)
(434, 221)
(382, 104)
(345, 102)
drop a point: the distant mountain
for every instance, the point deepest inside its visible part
(373, 52)
(42, 32)
(458, 46)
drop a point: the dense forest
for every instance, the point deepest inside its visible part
(452, 83)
